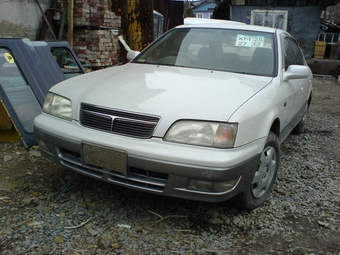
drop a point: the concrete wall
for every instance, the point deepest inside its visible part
(21, 18)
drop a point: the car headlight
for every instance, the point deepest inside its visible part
(201, 133)
(58, 106)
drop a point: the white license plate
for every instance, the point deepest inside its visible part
(105, 158)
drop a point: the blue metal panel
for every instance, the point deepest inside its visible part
(40, 71)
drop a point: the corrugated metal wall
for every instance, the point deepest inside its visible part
(172, 12)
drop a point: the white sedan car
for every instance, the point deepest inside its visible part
(199, 114)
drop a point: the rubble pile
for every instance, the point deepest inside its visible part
(96, 33)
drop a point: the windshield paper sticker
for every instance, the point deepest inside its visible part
(249, 41)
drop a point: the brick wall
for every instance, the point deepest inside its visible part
(96, 33)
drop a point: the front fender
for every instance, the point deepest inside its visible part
(256, 116)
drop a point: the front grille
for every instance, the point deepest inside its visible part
(118, 122)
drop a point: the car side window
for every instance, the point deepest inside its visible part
(293, 54)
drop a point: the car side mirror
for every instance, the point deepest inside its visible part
(296, 72)
(132, 54)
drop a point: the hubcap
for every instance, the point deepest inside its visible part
(265, 173)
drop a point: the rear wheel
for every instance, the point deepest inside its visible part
(264, 178)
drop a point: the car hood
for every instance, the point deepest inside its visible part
(169, 92)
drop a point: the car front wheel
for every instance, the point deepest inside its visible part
(264, 178)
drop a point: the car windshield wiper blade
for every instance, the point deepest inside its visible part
(156, 63)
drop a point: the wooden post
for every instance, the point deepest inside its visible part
(70, 22)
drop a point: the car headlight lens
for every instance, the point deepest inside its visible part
(58, 106)
(201, 133)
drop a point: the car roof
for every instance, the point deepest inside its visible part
(224, 24)
(195, 21)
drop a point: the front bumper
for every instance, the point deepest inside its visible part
(152, 165)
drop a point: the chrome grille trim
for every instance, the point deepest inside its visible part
(118, 122)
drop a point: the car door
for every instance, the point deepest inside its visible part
(27, 71)
(17, 97)
(296, 88)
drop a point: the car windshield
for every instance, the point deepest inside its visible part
(240, 51)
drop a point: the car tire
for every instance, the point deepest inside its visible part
(264, 178)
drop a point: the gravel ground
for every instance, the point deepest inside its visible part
(45, 209)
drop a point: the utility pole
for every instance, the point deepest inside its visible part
(137, 21)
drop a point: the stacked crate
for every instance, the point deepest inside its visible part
(96, 33)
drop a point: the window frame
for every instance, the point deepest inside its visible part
(275, 13)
